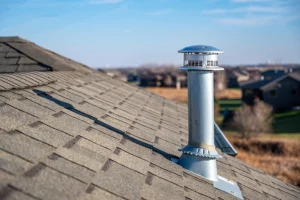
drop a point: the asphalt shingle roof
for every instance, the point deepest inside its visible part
(78, 135)
(12, 61)
(19, 55)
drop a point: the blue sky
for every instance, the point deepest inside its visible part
(111, 33)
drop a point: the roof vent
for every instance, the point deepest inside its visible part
(200, 155)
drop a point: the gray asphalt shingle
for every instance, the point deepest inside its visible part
(13, 164)
(42, 182)
(11, 118)
(46, 134)
(70, 168)
(120, 180)
(158, 188)
(24, 146)
(26, 60)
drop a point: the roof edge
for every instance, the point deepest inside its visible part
(13, 39)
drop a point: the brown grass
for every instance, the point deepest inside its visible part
(278, 157)
(170, 93)
(182, 94)
(229, 94)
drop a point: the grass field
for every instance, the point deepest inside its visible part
(287, 124)
(229, 104)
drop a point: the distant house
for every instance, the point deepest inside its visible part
(282, 91)
(168, 80)
(254, 74)
(131, 77)
(235, 76)
(148, 80)
(272, 74)
(181, 81)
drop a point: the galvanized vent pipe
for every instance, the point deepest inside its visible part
(200, 154)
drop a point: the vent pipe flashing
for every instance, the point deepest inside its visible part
(199, 156)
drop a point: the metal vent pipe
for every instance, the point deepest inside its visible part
(200, 154)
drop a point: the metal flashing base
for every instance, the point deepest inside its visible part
(190, 150)
(203, 166)
(221, 183)
(228, 186)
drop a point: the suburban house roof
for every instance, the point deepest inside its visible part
(80, 134)
(273, 72)
(266, 83)
(236, 73)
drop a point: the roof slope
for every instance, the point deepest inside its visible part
(75, 135)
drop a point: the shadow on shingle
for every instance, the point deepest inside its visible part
(70, 107)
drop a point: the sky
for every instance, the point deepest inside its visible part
(125, 33)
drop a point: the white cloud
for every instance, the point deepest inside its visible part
(160, 12)
(256, 20)
(256, 14)
(249, 9)
(247, 21)
(104, 1)
(278, 2)
(215, 11)
(251, 1)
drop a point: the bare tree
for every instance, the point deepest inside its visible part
(253, 120)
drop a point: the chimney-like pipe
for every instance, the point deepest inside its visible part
(201, 107)
(200, 154)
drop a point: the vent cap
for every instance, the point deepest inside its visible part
(200, 49)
